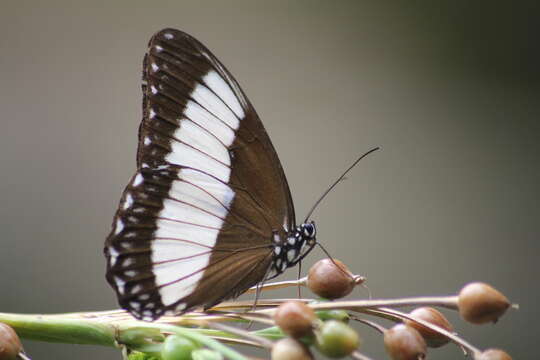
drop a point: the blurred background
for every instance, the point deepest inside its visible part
(449, 90)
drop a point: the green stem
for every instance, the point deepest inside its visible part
(53, 328)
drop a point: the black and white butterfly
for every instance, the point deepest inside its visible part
(208, 213)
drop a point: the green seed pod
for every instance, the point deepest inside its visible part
(177, 348)
(206, 354)
(336, 339)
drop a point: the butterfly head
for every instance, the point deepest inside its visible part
(308, 233)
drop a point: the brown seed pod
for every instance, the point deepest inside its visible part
(435, 317)
(290, 349)
(10, 345)
(493, 354)
(330, 281)
(295, 318)
(403, 342)
(479, 303)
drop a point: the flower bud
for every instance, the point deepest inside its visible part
(336, 339)
(330, 281)
(403, 342)
(290, 349)
(10, 345)
(479, 303)
(295, 318)
(493, 354)
(435, 317)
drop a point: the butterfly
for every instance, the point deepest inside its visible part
(208, 213)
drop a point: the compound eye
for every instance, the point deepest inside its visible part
(309, 230)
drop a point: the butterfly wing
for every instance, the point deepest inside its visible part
(196, 223)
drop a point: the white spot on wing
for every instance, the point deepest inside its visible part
(147, 141)
(154, 66)
(168, 36)
(223, 90)
(119, 227)
(120, 285)
(138, 180)
(113, 255)
(128, 202)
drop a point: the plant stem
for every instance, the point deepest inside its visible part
(54, 328)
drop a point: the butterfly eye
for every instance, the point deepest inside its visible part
(308, 230)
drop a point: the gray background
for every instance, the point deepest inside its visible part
(449, 90)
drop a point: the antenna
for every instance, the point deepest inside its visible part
(337, 182)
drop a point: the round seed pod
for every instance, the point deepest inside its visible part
(177, 348)
(290, 349)
(295, 318)
(493, 354)
(330, 281)
(336, 339)
(479, 303)
(206, 354)
(10, 345)
(435, 317)
(403, 342)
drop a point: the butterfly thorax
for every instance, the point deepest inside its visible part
(298, 244)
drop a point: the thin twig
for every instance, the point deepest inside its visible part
(242, 333)
(359, 356)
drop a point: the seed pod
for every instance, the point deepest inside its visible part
(10, 345)
(336, 339)
(330, 281)
(295, 318)
(493, 354)
(479, 303)
(290, 349)
(206, 354)
(435, 317)
(177, 348)
(403, 342)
